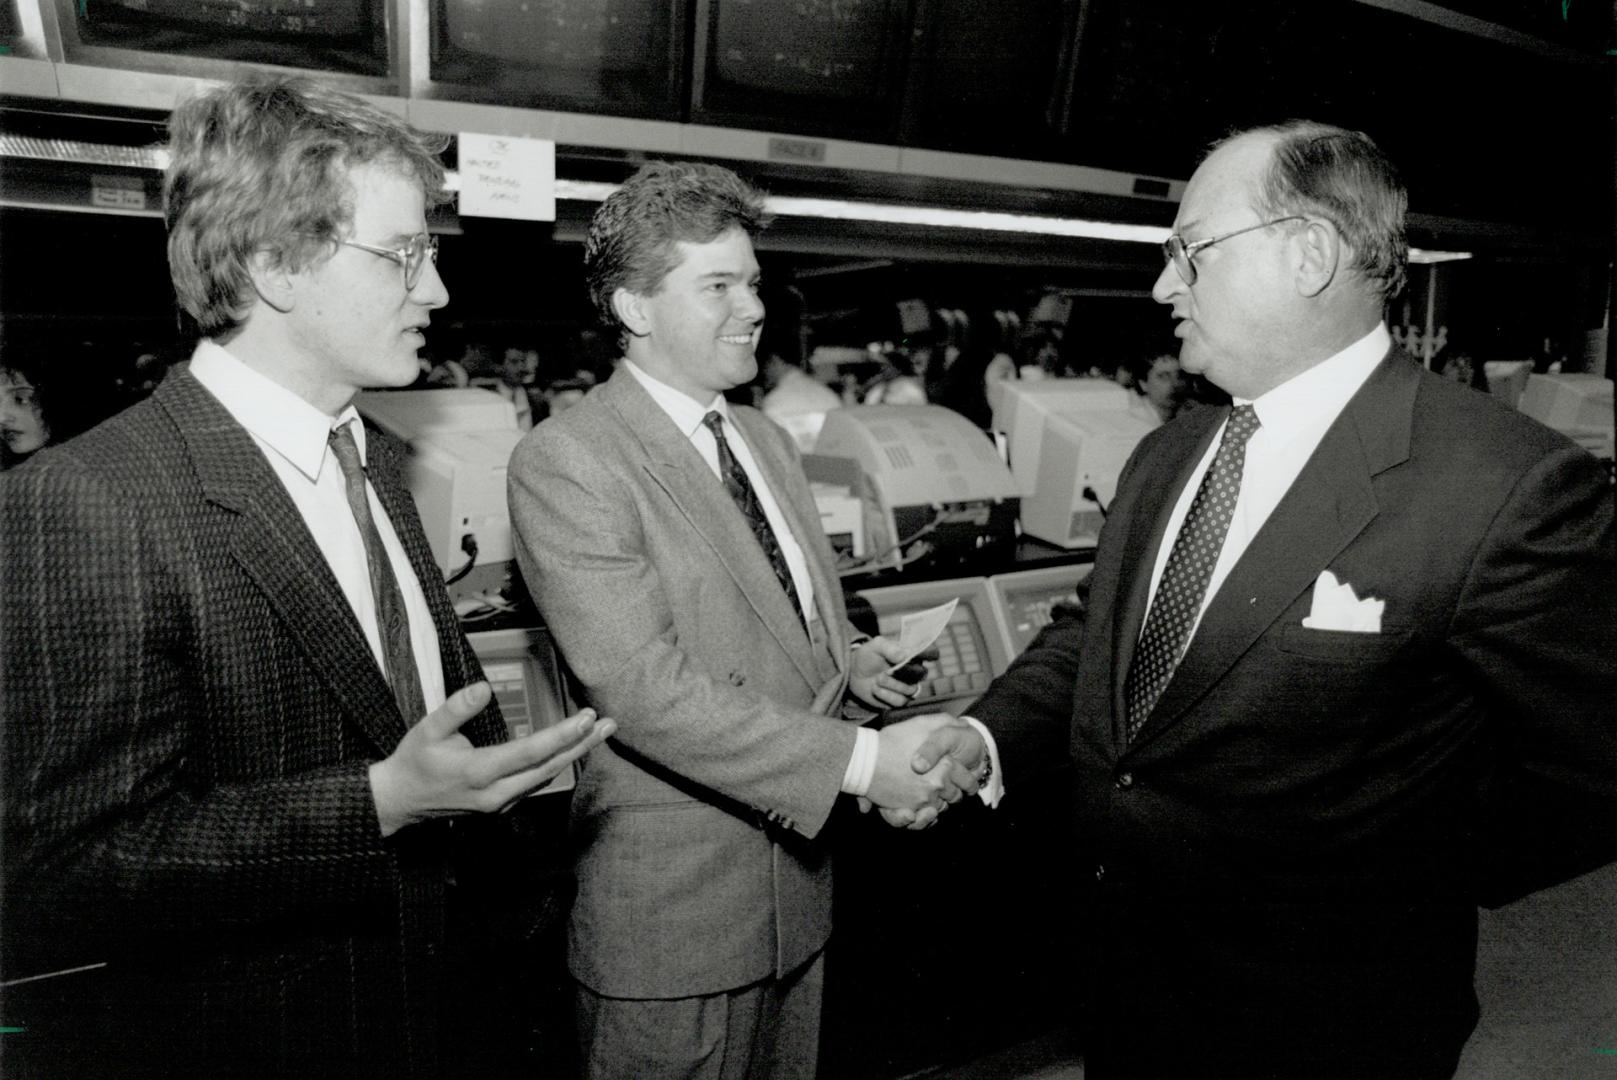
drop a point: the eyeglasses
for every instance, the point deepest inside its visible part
(1176, 251)
(412, 257)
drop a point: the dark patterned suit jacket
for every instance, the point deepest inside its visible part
(1284, 864)
(190, 711)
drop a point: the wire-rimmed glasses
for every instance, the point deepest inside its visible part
(1181, 254)
(412, 257)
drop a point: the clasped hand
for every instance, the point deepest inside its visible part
(435, 771)
(923, 765)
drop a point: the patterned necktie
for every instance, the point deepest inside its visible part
(1190, 566)
(746, 500)
(392, 620)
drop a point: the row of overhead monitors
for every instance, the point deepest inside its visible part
(1073, 81)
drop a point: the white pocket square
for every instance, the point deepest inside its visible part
(1336, 608)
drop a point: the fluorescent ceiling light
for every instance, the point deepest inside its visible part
(899, 214)
(1419, 255)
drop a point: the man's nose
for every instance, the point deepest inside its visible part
(1168, 284)
(430, 291)
(748, 305)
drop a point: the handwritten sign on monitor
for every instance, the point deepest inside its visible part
(507, 176)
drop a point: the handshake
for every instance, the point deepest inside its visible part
(923, 765)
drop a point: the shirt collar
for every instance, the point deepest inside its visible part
(276, 416)
(681, 408)
(1314, 398)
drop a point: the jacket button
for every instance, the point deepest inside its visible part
(1125, 781)
(736, 678)
(1100, 873)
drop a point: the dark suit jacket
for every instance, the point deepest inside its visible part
(190, 711)
(1285, 863)
(700, 864)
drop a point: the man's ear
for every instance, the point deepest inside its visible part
(272, 280)
(630, 308)
(1319, 254)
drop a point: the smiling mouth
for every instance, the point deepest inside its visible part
(736, 339)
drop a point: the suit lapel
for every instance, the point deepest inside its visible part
(675, 466)
(273, 546)
(1330, 503)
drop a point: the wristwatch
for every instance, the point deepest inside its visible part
(986, 772)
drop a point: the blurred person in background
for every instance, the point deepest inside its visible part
(1157, 378)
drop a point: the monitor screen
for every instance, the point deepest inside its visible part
(970, 649)
(1029, 600)
(1068, 440)
(801, 66)
(624, 57)
(338, 35)
(1578, 405)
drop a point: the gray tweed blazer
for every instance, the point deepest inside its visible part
(190, 710)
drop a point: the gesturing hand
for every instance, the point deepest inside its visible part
(436, 771)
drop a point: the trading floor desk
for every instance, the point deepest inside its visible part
(954, 942)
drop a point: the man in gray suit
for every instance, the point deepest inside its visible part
(672, 544)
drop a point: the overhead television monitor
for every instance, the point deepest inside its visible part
(1067, 440)
(814, 67)
(1578, 405)
(348, 36)
(993, 78)
(620, 57)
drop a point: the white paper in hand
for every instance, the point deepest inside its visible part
(919, 629)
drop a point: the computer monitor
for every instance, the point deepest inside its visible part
(1578, 405)
(525, 673)
(1067, 440)
(619, 57)
(971, 650)
(460, 443)
(336, 35)
(1026, 600)
(816, 68)
(938, 493)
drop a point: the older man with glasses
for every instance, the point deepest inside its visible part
(1349, 662)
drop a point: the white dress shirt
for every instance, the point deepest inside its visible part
(292, 434)
(687, 414)
(1293, 418)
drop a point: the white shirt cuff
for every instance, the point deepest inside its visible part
(994, 790)
(862, 766)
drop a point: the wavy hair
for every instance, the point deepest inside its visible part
(263, 165)
(1342, 176)
(632, 238)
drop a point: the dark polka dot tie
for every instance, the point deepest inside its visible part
(392, 620)
(746, 500)
(1190, 566)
